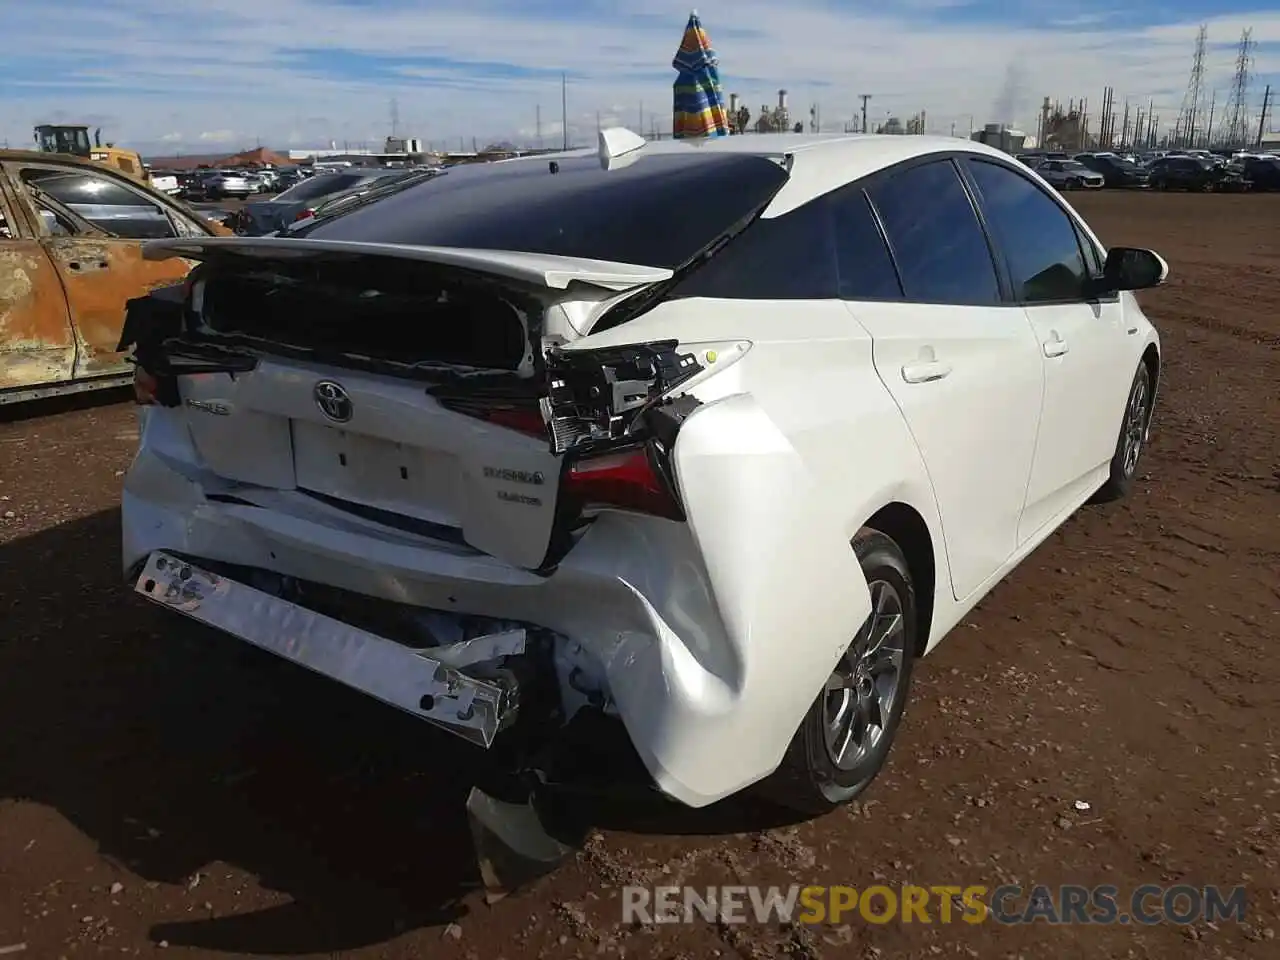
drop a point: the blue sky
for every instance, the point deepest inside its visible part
(216, 75)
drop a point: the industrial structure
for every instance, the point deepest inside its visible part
(1201, 121)
(1001, 136)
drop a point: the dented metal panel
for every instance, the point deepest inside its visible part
(99, 275)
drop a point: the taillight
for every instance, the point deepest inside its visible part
(145, 387)
(521, 418)
(627, 480)
(303, 214)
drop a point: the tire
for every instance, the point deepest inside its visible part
(809, 780)
(1135, 426)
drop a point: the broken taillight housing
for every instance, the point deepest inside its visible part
(625, 480)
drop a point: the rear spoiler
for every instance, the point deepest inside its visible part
(536, 269)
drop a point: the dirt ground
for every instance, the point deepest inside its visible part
(163, 790)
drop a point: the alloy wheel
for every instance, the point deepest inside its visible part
(867, 682)
(1135, 426)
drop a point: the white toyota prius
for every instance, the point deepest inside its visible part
(701, 444)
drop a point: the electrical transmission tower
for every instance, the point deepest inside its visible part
(1193, 98)
(1236, 122)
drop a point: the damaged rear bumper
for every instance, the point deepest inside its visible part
(434, 687)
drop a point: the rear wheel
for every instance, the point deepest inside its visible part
(1132, 439)
(844, 739)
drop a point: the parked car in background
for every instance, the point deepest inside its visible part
(530, 453)
(261, 217)
(1034, 158)
(71, 232)
(166, 181)
(228, 184)
(191, 184)
(1263, 173)
(286, 177)
(1069, 175)
(1187, 172)
(1116, 171)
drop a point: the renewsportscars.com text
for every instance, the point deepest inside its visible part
(944, 903)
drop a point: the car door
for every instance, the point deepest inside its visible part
(1083, 341)
(37, 345)
(92, 225)
(962, 366)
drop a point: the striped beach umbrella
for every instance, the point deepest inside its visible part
(698, 102)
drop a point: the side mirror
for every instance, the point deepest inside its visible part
(1132, 268)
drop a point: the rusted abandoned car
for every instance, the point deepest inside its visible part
(70, 239)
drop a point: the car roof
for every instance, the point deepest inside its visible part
(820, 163)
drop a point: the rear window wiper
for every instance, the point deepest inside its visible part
(364, 199)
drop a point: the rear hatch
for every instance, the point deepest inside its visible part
(422, 388)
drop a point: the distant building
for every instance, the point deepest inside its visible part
(1271, 141)
(1001, 137)
(402, 145)
(328, 153)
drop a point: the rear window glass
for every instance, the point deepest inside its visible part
(321, 185)
(660, 210)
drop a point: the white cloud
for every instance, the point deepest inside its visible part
(224, 64)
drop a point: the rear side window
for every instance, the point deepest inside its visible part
(866, 268)
(1037, 236)
(938, 245)
(791, 257)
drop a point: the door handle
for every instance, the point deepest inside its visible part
(926, 371)
(1055, 348)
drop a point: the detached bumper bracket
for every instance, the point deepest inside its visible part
(400, 676)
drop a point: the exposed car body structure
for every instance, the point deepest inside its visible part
(529, 443)
(71, 233)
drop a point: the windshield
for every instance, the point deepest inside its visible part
(661, 210)
(322, 185)
(1074, 165)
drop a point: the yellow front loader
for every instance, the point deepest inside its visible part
(74, 139)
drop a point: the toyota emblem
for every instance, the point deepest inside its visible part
(333, 401)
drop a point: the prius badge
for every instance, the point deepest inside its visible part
(333, 401)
